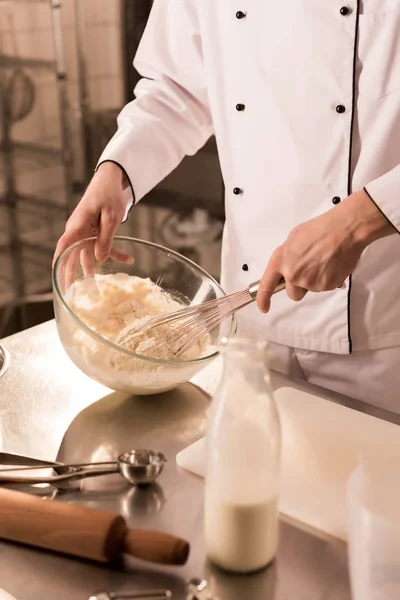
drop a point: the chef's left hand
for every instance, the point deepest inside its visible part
(320, 254)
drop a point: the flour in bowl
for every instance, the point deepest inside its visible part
(95, 312)
(107, 304)
(111, 304)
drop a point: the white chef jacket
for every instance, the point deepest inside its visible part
(304, 99)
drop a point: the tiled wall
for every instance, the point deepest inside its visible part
(26, 31)
(103, 62)
(31, 21)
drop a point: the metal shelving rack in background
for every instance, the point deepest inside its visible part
(30, 222)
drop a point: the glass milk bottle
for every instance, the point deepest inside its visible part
(243, 462)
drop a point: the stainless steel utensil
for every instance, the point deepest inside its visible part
(198, 590)
(139, 467)
(25, 463)
(188, 325)
(8, 458)
(138, 595)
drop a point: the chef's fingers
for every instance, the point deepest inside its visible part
(108, 227)
(87, 260)
(76, 229)
(121, 257)
(295, 292)
(69, 237)
(88, 265)
(268, 283)
(70, 268)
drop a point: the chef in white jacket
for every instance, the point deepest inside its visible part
(303, 97)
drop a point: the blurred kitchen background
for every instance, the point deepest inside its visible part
(65, 73)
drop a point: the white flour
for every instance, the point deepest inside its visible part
(110, 303)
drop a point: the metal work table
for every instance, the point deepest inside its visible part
(49, 409)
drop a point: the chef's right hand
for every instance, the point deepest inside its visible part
(99, 214)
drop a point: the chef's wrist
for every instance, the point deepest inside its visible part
(368, 222)
(113, 170)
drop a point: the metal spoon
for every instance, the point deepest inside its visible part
(198, 590)
(59, 468)
(139, 467)
(139, 595)
(24, 462)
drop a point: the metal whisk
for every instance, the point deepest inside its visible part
(189, 325)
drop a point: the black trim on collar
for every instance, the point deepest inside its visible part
(380, 210)
(129, 181)
(349, 175)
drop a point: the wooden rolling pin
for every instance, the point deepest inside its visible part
(84, 532)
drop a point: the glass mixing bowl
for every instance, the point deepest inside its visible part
(104, 361)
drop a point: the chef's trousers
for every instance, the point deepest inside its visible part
(372, 376)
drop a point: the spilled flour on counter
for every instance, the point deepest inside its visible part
(109, 304)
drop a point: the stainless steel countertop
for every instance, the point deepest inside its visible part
(49, 409)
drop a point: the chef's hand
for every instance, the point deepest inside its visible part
(321, 253)
(99, 214)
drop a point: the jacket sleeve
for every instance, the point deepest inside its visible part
(170, 117)
(385, 193)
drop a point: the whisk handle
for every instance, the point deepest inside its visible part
(253, 287)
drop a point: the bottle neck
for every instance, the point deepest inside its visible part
(243, 430)
(245, 362)
(245, 354)
(237, 360)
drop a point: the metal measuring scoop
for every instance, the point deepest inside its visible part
(196, 588)
(139, 467)
(138, 595)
